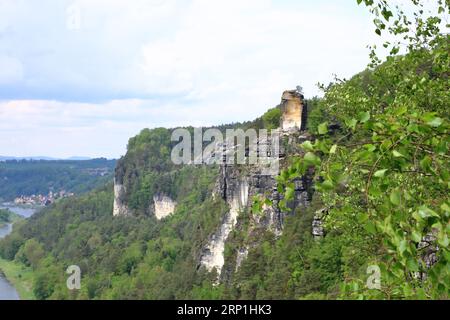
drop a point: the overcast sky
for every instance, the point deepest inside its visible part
(81, 77)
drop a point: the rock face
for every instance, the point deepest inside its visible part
(236, 193)
(241, 256)
(164, 206)
(317, 225)
(293, 111)
(429, 254)
(119, 207)
(238, 185)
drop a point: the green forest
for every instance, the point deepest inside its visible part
(380, 163)
(6, 216)
(28, 177)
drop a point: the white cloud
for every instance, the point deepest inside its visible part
(148, 63)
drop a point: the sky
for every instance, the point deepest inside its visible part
(80, 77)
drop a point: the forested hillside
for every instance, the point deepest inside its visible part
(7, 216)
(376, 154)
(28, 177)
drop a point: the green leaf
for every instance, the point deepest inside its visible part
(407, 290)
(401, 110)
(256, 207)
(333, 149)
(289, 195)
(395, 197)
(380, 173)
(364, 117)
(397, 270)
(425, 212)
(311, 158)
(362, 217)
(443, 240)
(425, 163)
(327, 185)
(413, 127)
(445, 207)
(395, 50)
(387, 144)
(412, 265)
(370, 147)
(435, 122)
(323, 128)
(370, 227)
(417, 216)
(386, 13)
(397, 154)
(416, 236)
(421, 294)
(351, 123)
(403, 245)
(307, 145)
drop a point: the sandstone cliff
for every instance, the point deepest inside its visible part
(236, 185)
(294, 111)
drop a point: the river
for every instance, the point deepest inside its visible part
(7, 291)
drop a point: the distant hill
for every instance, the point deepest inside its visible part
(79, 158)
(5, 158)
(27, 177)
(75, 158)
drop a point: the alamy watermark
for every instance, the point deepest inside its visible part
(236, 147)
(374, 279)
(74, 280)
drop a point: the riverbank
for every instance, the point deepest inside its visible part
(16, 274)
(23, 211)
(20, 276)
(8, 217)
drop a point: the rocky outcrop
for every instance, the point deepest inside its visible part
(236, 185)
(236, 193)
(318, 230)
(428, 253)
(164, 206)
(293, 110)
(429, 250)
(119, 207)
(241, 256)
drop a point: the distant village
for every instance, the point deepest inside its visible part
(42, 200)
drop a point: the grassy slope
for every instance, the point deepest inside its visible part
(20, 276)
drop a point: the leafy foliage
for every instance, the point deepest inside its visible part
(272, 118)
(385, 179)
